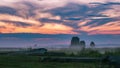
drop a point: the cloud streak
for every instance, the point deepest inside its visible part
(108, 28)
(32, 26)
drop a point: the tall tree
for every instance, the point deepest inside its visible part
(92, 44)
(75, 41)
(82, 44)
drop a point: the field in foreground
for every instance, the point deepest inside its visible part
(33, 62)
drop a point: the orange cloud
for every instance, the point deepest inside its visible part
(36, 26)
(19, 19)
(45, 29)
(82, 23)
(108, 28)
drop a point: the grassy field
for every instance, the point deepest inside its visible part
(33, 62)
(20, 61)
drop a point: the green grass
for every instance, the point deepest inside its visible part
(33, 62)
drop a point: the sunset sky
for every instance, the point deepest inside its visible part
(24, 23)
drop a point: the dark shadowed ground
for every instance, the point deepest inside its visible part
(33, 62)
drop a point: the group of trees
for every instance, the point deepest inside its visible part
(76, 41)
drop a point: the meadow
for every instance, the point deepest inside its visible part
(28, 61)
(34, 62)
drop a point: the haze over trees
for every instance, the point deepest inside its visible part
(78, 44)
(75, 41)
(92, 44)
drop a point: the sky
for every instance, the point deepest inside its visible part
(25, 23)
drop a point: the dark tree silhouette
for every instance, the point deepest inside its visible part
(82, 43)
(75, 41)
(92, 44)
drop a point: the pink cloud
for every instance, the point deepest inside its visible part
(108, 28)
